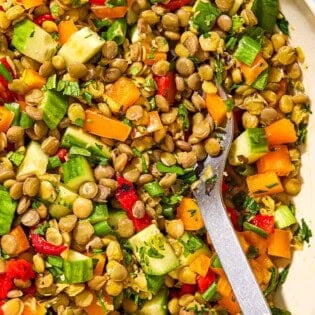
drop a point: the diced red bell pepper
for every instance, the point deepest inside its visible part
(204, 283)
(5, 94)
(174, 5)
(42, 18)
(184, 289)
(98, 2)
(20, 269)
(127, 196)
(62, 154)
(166, 86)
(234, 217)
(224, 187)
(265, 222)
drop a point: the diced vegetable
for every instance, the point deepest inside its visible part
(6, 118)
(265, 222)
(62, 206)
(103, 126)
(99, 267)
(26, 121)
(166, 86)
(65, 30)
(248, 147)
(277, 160)
(15, 109)
(27, 4)
(252, 72)
(281, 131)
(35, 161)
(81, 46)
(7, 211)
(32, 79)
(117, 31)
(247, 50)
(55, 106)
(32, 41)
(75, 136)
(157, 305)
(76, 171)
(123, 93)
(189, 212)
(284, 217)
(279, 243)
(205, 15)
(153, 189)
(254, 228)
(200, 264)
(102, 229)
(267, 12)
(216, 107)
(153, 251)
(21, 239)
(77, 267)
(103, 11)
(99, 214)
(264, 184)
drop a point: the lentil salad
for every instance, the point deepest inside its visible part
(143, 173)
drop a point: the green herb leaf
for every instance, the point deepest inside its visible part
(193, 243)
(183, 116)
(283, 25)
(154, 253)
(304, 232)
(219, 69)
(41, 228)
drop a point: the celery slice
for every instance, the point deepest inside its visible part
(247, 50)
(284, 217)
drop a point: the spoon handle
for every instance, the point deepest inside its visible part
(233, 260)
(224, 239)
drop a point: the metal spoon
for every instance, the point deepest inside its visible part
(223, 237)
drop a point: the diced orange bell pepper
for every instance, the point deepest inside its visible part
(103, 126)
(21, 239)
(200, 264)
(65, 29)
(6, 118)
(251, 73)
(281, 131)
(280, 243)
(32, 79)
(216, 108)
(27, 4)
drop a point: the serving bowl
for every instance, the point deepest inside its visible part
(297, 294)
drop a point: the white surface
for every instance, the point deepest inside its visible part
(298, 294)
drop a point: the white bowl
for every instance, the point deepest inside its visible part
(297, 294)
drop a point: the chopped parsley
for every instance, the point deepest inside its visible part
(192, 244)
(304, 232)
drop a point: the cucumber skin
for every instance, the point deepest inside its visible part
(148, 239)
(21, 33)
(155, 306)
(78, 271)
(76, 171)
(7, 211)
(55, 106)
(75, 136)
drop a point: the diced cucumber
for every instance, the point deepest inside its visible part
(248, 147)
(192, 247)
(62, 206)
(75, 136)
(155, 283)
(34, 163)
(284, 217)
(153, 251)
(77, 267)
(32, 41)
(114, 216)
(99, 214)
(81, 46)
(55, 106)
(7, 210)
(76, 171)
(157, 305)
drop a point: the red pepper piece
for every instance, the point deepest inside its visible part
(127, 196)
(43, 247)
(20, 269)
(6, 284)
(187, 289)
(98, 2)
(4, 61)
(42, 18)
(62, 154)
(265, 222)
(234, 217)
(5, 94)
(166, 86)
(224, 187)
(204, 283)
(174, 5)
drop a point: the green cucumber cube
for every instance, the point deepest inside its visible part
(248, 147)
(76, 171)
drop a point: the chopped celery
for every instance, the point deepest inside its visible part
(153, 189)
(247, 50)
(210, 292)
(261, 81)
(266, 12)
(284, 217)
